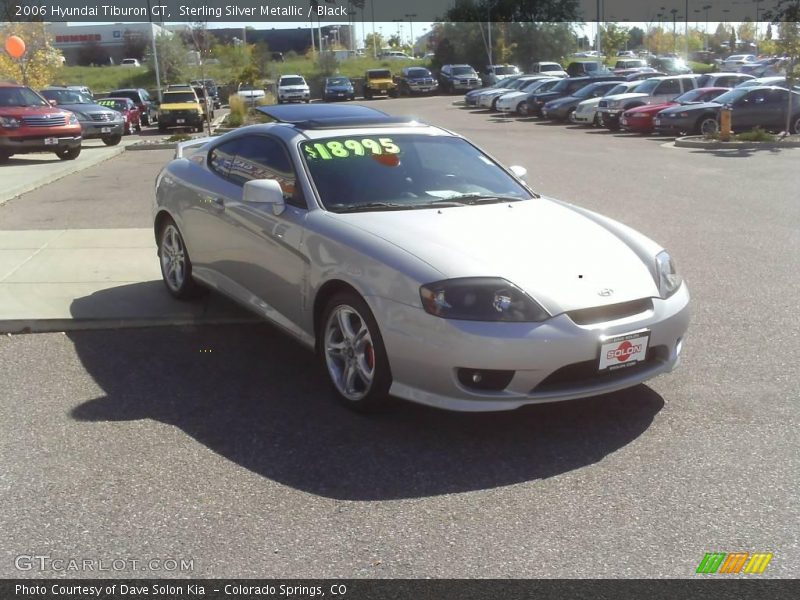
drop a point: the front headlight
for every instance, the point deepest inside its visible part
(668, 279)
(73, 120)
(480, 299)
(9, 122)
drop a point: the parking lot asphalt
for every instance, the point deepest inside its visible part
(221, 443)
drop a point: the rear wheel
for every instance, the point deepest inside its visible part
(794, 126)
(68, 153)
(352, 351)
(112, 140)
(707, 125)
(522, 108)
(176, 267)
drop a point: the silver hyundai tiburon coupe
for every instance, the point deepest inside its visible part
(415, 264)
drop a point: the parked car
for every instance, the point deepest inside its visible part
(82, 89)
(338, 88)
(494, 73)
(562, 109)
(458, 78)
(641, 74)
(763, 107)
(630, 53)
(379, 82)
(416, 80)
(586, 68)
(251, 94)
(29, 123)
(734, 61)
(586, 111)
(339, 243)
(629, 63)
(181, 108)
(649, 91)
(147, 107)
(472, 96)
(293, 88)
(129, 111)
(727, 80)
(130, 63)
(212, 90)
(395, 55)
(517, 101)
(97, 121)
(778, 80)
(566, 87)
(640, 119)
(670, 65)
(551, 69)
(766, 67)
(489, 98)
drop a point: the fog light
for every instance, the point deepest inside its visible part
(484, 379)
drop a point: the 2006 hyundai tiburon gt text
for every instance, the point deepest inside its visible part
(415, 264)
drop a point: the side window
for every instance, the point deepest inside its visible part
(221, 158)
(668, 87)
(689, 84)
(262, 157)
(776, 98)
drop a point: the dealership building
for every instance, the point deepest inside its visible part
(114, 40)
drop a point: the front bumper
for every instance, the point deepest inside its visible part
(294, 96)
(24, 144)
(100, 129)
(168, 119)
(425, 352)
(461, 86)
(673, 126)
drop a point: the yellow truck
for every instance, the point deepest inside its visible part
(379, 82)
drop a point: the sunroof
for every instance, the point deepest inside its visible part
(299, 113)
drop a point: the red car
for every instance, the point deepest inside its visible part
(129, 110)
(28, 123)
(640, 119)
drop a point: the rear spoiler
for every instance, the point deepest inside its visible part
(191, 144)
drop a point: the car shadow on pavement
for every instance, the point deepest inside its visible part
(257, 398)
(740, 152)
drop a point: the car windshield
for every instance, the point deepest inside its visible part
(692, 96)
(647, 86)
(505, 70)
(463, 71)
(382, 74)
(731, 96)
(562, 85)
(405, 171)
(66, 97)
(550, 68)
(505, 82)
(20, 96)
(532, 85)
(418, 72)
(587, 91)
(618, 89)
(292, 81)
(248, 88)
(179, 97)
(115, 104)
(338, 81)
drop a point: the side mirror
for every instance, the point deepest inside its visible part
(520, 172)
(265, 191)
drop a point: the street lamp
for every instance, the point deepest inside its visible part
(410, 18)
(674, 12)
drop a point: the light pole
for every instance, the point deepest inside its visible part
(410, 18)
(686, 34)
(674, 12)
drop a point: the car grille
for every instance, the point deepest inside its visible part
(45, 121)
(467, 81)
(611, 312)
(103, 116)
(427, 81)
(603, 104)
(585, 374)
(181, 114)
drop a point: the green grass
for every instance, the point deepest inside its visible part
(105, 79)
(701, 68)
(755, 135)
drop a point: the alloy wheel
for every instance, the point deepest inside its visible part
(173, 258)
(349, 352)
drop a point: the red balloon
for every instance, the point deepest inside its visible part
(15, 46)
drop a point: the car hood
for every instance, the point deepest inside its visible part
(17, 112)
(560, 257)
(180, 106)
(652, 108)
(546, 96)
(591, 102)
(679, 108)
(626, 96)
(380, 80)
(513, 95)
(293, 88)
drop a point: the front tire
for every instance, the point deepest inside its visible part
(353, 354)
(176, 266)
(795, 125)
(112, 140)
(68, 153)
(707, 125)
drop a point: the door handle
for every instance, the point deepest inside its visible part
(218, 203)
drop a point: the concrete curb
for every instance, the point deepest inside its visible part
(23, 326)
(48, 176)
(694, 141)
(154, 146)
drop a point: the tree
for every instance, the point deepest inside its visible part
(41, 62)
(635, 37)
(614, 38)
(92, 53)
(374, 40)
(747, 31)
(172, 58)
(394, 41)
(732, 41)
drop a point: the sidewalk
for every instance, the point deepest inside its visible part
(26, 172)
(61, 280)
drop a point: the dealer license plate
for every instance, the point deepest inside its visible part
(51, 141)
(657, 121)
(622, 351)
(105, 130)
(179, 121)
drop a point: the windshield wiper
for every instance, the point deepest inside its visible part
(483, 199)
(347, 208)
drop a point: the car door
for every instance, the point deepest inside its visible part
(750, 111)
(262, 255)
(665, 91)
